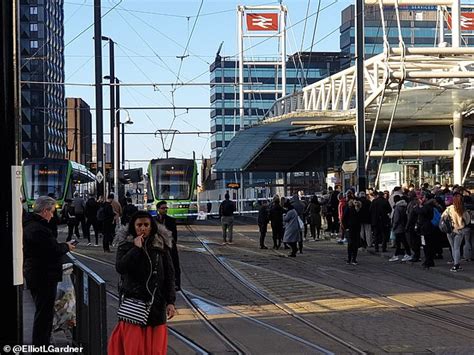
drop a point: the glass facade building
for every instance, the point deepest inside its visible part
(42, 60)
(419, 24)
(302, 69)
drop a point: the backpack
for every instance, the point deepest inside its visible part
(445, 224)
(436, 217)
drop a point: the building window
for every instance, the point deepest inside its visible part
(33, 10)
(33, 27)
(33, 44)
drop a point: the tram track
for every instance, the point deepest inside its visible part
(234, 346)
(406, 306)
(187, 341)
(249, 285)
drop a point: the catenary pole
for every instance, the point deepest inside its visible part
(10, 209)
(360, 125)
(99, 119)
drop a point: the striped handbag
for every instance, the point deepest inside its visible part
(134, 311)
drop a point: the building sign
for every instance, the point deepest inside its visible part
(233, 185)
(467, 21)
(410, 161)
(262, 22)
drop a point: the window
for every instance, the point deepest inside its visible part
(33, 27)
(33, 10)
(33, 44)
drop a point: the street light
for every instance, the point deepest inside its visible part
(111, 77)
(116, 143)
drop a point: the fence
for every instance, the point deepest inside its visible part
(91, 309)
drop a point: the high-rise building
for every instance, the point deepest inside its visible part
(42, 61)
(419, 24)
(79, 131)
(301, 69)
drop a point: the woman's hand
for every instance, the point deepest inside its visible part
(170, 311)
(138, 241)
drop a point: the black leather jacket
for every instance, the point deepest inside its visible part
(145, 269)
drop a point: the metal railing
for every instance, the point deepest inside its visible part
(91, 309)
(287, 104)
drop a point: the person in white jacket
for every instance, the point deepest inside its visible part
(460, 219)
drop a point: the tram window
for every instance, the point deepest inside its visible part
(173, 182)
(42, 179)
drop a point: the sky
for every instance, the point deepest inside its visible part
(151, 36)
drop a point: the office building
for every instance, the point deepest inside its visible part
(419, 24)
(42, 61)
(79, 131)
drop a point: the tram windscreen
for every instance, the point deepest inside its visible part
(172, 182)
(43, 179)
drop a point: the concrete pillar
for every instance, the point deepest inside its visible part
(457, 148)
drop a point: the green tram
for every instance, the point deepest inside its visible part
(175, 181)
(59, 177)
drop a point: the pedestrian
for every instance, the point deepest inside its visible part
(208, 206)
(299, 207)
(424, 212)
(170, 224)
(351, 223)
(380, 219)
(92, 207)
(262, 221)
(68, 215)
(460, 220)
(128, 211)
(276, 222)
(399, 222)
(146, 272)
(226, 213)
(106, 217)
(117, 208)
(365, 226)
(292, 228)
(79, 208)
(313, 212)
(42, 265)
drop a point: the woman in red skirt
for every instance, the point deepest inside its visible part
(146, 269)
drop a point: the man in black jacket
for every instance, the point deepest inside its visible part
(42, 265)
(262, 221)
(170, 224)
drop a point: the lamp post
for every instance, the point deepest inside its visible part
(111, 78)
(116, 145)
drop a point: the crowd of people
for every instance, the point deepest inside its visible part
(405, 219)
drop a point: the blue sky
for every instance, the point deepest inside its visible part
(150, 35)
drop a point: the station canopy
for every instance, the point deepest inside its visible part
(279, 144)
(271, 145)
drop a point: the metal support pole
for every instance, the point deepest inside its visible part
(456, 23)
(436, 170)
(240, 15)
(360, 126)
(457, 148)
(98, 96)
(441, 25)
(10, 145)
(283, 51)
(113, 125)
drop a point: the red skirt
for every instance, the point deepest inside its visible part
(129, 339)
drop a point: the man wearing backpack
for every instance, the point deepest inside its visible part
(226, 212)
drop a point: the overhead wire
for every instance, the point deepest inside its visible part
(167, 67)
(173, 91)
(314, 35)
